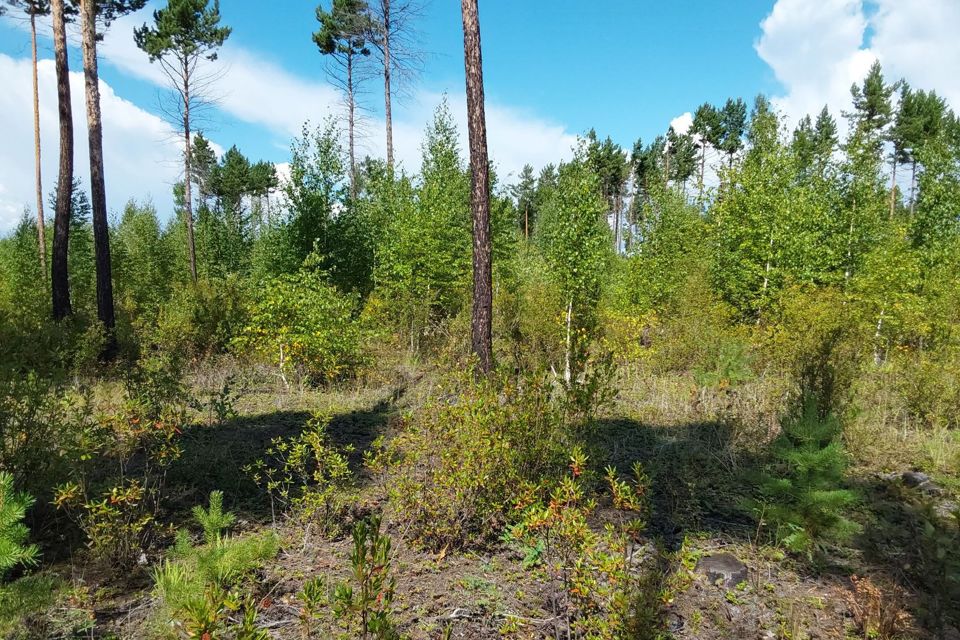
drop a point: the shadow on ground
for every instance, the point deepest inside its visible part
(700, 483)
(214, 457)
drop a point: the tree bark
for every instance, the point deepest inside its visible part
(481, 319)
(893, 188)
(98, 195)
(60, 279)
(187, 173)
(703, 166)
(913, 187)
(351, 105)
(41, 227)
(387, 91)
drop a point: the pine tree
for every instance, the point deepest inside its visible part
(733, 121)
(482, 313)
(106, 12)
(185, 33)
(708, 131)
(801, 494)
(13, 533)
(343, 38)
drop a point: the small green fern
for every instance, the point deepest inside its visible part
(13, 533)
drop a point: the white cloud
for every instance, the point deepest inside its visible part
(817, 50)
(682, 123)
(140, 154)
(257, 90)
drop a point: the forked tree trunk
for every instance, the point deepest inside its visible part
(98, 196)
(387, 106)
(41, 226)
(481, 319)
(60, 280)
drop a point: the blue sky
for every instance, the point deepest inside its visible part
(552, 70)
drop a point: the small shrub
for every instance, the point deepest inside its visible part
(199, 586)
(801, 498)
(307, 475)
(14, 549)
(365, 602)
(600, 594)
(302, 324)
(878, 612)
(458, 465)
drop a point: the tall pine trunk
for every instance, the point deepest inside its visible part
(98, 195)
(481, 318)
(387, 91)
(913, 187)
(703, 166)
(41, 226)
(351, 105)
(893, 188)
(187, 172)
(60, 279)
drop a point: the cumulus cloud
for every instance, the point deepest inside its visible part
(140, 152)
(515, 136)
(682, 123)
(817, 50)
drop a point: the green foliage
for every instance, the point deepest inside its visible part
(307, 475)
(14, 549)
(423, 266)
(456, 469)
(200, 585)
(301, 324)
(801, 496)
(576, 244)
(593, 570)
(184, 30)
(365, 603)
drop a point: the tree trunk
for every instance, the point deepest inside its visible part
(60, 278)
(187, 173)
(913, 187)
(98, 195)
(41, 227)
(666, 170)
(351, 105)
(893, 188)
(387, 107)
(703, 166)
(481, 319)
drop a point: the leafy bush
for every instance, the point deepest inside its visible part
(300, 323)
(44, 432)
(458, 465)
(801, 498)
(366, 601)
(308, 475)
(594, 569)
